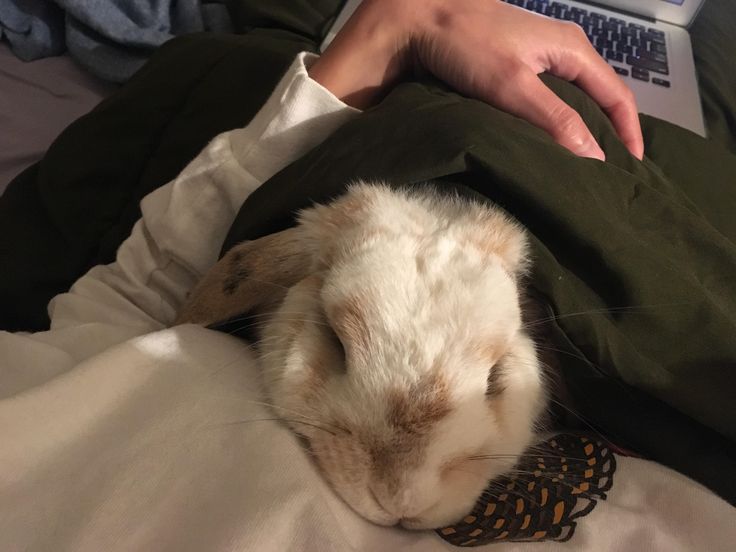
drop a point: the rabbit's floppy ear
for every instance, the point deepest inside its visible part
(494, 233)
(252, 276)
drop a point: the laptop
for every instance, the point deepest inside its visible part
(645, 41)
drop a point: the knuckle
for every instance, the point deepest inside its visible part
(578, 32)
(572, 29)
(630, 97)
(625, 95)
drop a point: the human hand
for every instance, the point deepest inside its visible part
(485, 49)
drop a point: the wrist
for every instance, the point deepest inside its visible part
(369, 55)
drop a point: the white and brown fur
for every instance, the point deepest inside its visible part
(395, 346)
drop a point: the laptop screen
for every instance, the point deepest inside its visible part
(677, 12)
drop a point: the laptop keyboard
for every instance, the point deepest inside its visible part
(631, 49)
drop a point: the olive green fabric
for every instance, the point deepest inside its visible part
(714, 47)
(648, 260)
(308, 18)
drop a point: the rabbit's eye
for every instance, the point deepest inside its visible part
(494, 383)
(304, 441)
(337, 345)
(454, 465)
(471, 464)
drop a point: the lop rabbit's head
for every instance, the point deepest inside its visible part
(394, 345)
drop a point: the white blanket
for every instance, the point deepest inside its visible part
(119, 434)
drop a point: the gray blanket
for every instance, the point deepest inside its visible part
(111, 39)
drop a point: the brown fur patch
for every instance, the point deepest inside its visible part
(346, 211)
(488, 350)
(352, 207)
(495, 236)
(253, 275)
(346, 214)
(236, 274)
(415, 411)
(411, 414)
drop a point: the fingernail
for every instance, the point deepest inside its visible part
(592, 150)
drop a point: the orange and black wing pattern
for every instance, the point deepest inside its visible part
(553, 486)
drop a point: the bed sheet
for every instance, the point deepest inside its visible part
(37, 101)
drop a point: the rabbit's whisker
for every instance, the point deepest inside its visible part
(296, 413)
(266, 282)
(562, 482)
(632, 309)
(277, 419)
(505, 456)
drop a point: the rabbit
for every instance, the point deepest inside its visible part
(392, 343)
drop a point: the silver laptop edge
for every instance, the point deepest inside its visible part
(676, 12)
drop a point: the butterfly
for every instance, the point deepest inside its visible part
(560, 482)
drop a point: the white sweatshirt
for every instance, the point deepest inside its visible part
(119, 434)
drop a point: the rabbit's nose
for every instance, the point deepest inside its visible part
(401, 503)
(411, 523)
(385, 500)
(382, 499)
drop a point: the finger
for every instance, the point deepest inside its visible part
(581, 63)
(523, 94)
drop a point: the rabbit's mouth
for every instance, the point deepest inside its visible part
(384, 517)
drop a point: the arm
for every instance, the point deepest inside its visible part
(184, 223)
(177, 239)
